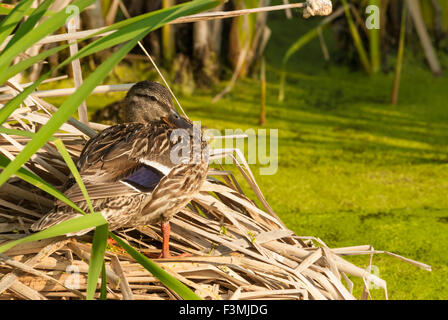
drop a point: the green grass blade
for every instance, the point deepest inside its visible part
(281, 90)
(71, 165)
(69, 226)
(16, 132)
(30, 23)
(167, 279)
(103, 292)
(6, 9)
(96, 259)
(72, 103)
(25, 64)
(22, 133)
(47, 27)
(8, 23)
(38, 182)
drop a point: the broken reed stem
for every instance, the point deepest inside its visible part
(235, 13)
(72, 26)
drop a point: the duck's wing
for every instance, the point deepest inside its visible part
(142, 180)
(119, 151)
(123, 160)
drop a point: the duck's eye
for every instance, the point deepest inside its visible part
(145, 96)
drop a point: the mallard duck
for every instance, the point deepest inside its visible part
(140, 172)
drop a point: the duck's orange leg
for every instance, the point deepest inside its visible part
(166, 242)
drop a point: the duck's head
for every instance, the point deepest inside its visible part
(149, 101)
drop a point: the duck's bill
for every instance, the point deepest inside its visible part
(177, 121)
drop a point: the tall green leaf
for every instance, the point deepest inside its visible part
(6, 9)
(8, 24)
(47, 27)
(71, 165)
(25, 64)
(103, 292)
(29, 23)
(96, 259)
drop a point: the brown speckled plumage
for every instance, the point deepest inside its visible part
(114, 162)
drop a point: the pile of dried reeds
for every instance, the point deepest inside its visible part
(238, 251)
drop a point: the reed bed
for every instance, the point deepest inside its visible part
(237, 250)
